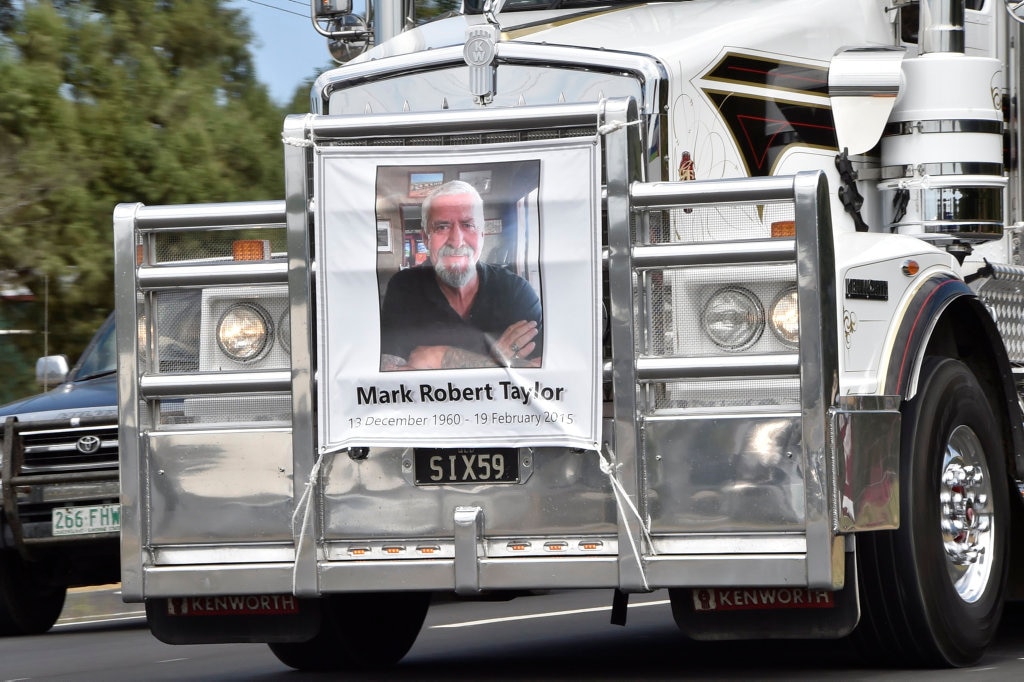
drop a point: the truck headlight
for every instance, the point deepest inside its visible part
(784, 318)
(245, 332)
(733, 318)
(284, 331)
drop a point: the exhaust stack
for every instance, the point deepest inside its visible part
(942, 150)
(941, 26)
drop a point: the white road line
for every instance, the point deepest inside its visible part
(548, 614)
(112, 618)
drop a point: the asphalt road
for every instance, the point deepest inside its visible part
(558, 636)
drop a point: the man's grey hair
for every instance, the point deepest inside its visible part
(454, 187)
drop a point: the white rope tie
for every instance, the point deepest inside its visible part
(622, 501)
(296, 141)
(612, 126)
(921, 182)
(304, 508)
(300, 141)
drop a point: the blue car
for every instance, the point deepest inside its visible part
(60, 514)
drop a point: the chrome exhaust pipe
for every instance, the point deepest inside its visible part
(941, 26)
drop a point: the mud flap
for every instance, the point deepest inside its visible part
(233, 619)
(768, 613)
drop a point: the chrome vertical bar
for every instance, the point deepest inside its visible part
(468, 531)
(623, 165)
(819, 376)
(304, 455)
(129, 438)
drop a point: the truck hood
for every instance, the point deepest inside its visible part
(89, 398)
(668, 31)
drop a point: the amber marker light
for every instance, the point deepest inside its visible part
(556, 546)
(591, 545)
(428, 549)
(783, 229)
(516, 546)
(394, 549)
(911, 268)
(358, 551)
(250, 249)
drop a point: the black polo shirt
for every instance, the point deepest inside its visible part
(416, 313)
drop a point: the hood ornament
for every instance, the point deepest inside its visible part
(492, 8)
(480, 51)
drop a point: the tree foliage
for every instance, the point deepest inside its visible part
(430, 9)
(108, 101)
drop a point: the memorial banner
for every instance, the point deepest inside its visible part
(459, 296)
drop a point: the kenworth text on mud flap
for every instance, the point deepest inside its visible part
(769, 254)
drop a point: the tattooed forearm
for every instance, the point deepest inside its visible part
(460, 358)
(390, 363)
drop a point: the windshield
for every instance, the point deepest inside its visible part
(100, 356)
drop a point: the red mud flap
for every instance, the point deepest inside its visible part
(233, 618)
(767, 613)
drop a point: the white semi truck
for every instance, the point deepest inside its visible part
(770, 254)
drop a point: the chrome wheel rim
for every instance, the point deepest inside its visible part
(968, 524)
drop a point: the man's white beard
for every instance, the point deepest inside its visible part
(454, 276)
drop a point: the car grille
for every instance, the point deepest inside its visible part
(60, 450)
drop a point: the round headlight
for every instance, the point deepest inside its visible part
(284, 331)
(733, 318)
(784, 318)
(245, 332)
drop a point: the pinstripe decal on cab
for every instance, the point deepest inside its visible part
(772, 106)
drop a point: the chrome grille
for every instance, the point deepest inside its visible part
(59, 450)
(501, 137)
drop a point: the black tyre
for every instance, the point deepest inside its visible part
(359, 632)
(932, 591)
(30, 603)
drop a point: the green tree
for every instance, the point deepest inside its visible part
(6, 15)
(430, 9)
(108, 101)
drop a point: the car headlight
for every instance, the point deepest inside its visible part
(733, 318)
(245, 332)
(784, 318)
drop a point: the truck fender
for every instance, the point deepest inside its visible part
(946, 317)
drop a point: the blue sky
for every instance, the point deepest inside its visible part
(287, 49)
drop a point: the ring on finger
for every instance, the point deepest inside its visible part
(515, 349)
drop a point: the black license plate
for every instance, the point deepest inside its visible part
(448, 466)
